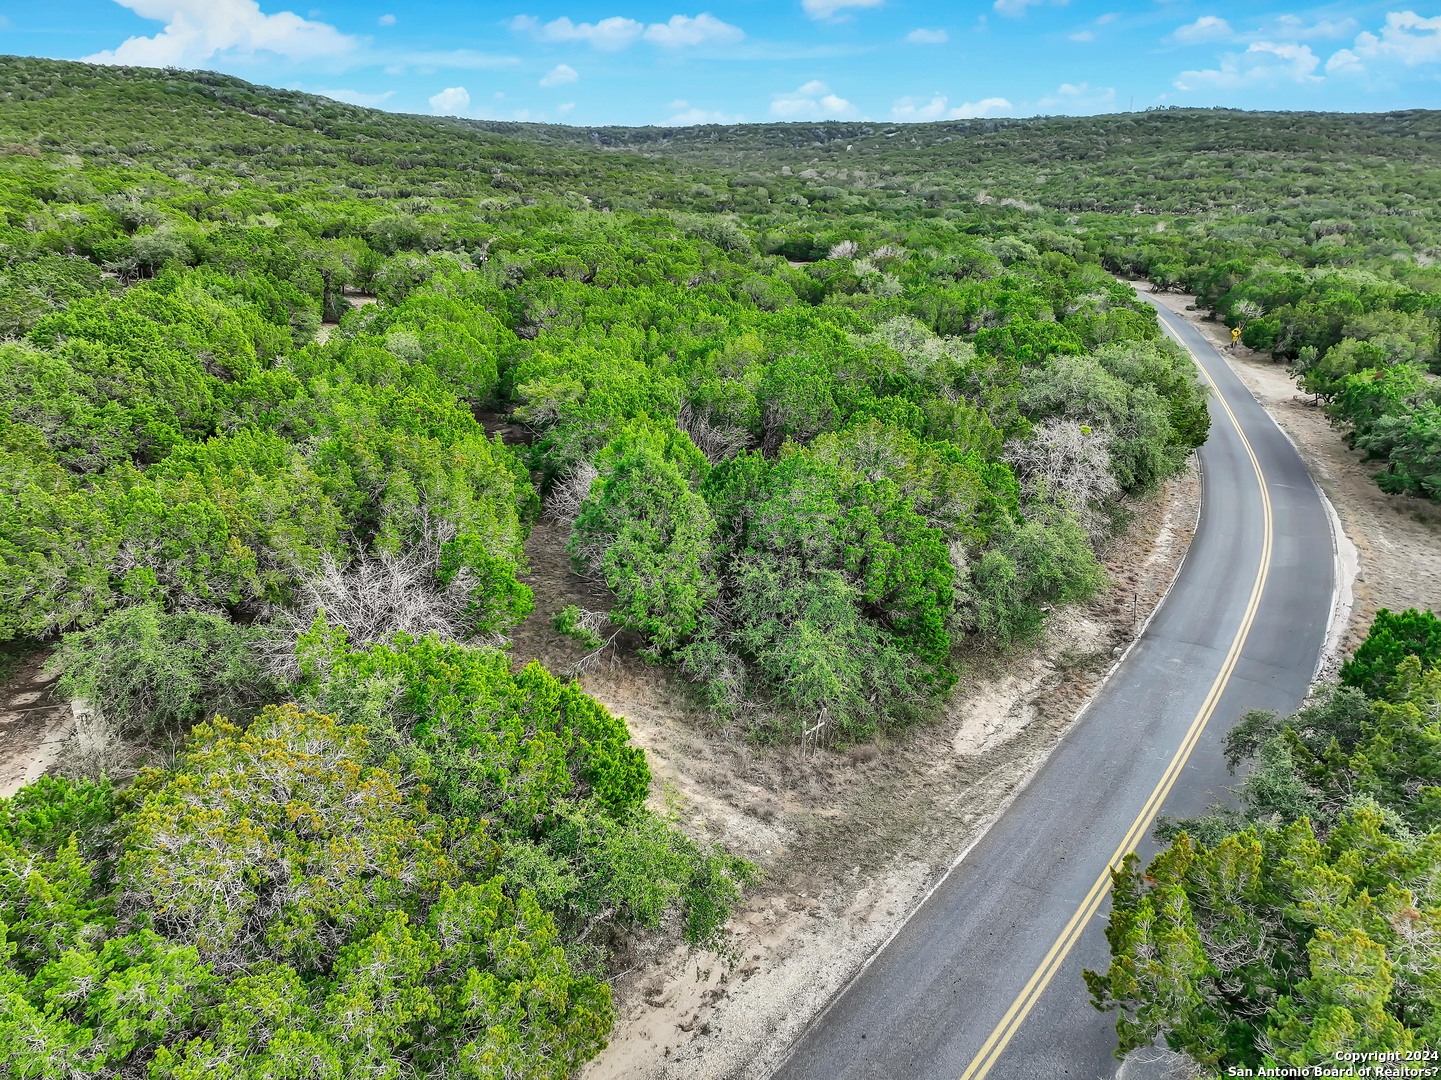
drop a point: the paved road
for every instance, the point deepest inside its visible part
(985, 979)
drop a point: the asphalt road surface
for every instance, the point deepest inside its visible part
(985, 978)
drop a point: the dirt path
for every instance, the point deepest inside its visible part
(33, 724)
(356, 302)
(1397, 538)
(849, 843)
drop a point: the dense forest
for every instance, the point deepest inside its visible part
(285, 384)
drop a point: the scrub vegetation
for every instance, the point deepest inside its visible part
(1300, 926)
(825, 411)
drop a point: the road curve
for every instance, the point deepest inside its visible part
(985, 977)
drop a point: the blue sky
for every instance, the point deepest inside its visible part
(643, 62)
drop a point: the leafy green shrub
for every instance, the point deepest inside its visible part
(151, 672)
(571, 621)
(646, 529)
(1392, 638)
(281, 907)
(549, 768)
(1041, 560)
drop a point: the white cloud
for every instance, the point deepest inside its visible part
(564, 108)
(831, 9)
(974, 110)
(1407, 38)
(452, 101)
(922, 36)
(909, 110)
(1077, 98)
(682, 30)
(1209, 28)
(386, 20)
(197, 30)
(1016, 8)
(610, 34)
(1106, 19)
(1206, 28)
(1295, 28)
(684, 114)
(1263, 62)
(616, 32)
(1083, 36)
(813, 101)
(559, 76)
(358, 97)
(1344, 62)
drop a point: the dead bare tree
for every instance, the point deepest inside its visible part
(568, 493)
(718, 442)
(1068, 463)
(374, 597)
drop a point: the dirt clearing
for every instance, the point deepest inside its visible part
(33, 724)
(849, 842)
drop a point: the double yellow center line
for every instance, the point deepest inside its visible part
(993, 1047)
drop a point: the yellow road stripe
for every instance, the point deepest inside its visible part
(1004, 1031)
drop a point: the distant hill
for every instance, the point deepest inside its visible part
(1182, 161)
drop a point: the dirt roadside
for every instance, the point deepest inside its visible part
(849, 843)
(33, 722)
(1397, 538)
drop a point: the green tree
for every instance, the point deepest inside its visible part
(646, 529)
(1392, 638)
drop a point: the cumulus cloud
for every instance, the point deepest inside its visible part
(834, 9)
(1262, 62)
(922, 36)
(1406, 38)
(1344, 62)
(1015, 8)
(1083, 36)
(682, 30)
(559, 76)
(617, 33)
(813, 101)
(610, 35)
(975, 110)
(1295, 28)
(452, 101)
(564, 108)
(684, 114)
(910, 110)
(1078, 98)
(1206, 28)
(197, 30)
(386, 20)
